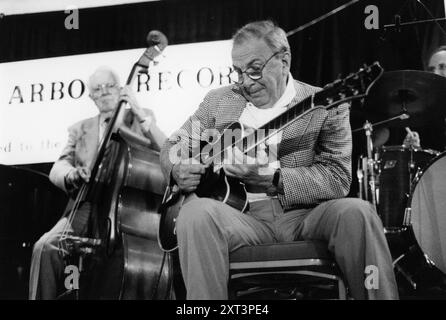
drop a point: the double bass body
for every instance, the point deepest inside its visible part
(121, 257)
(128, 190)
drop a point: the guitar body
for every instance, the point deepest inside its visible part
(214, 185)
(220, 187)
(169, 210)
(225, 189)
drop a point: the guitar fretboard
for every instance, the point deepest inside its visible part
(281, 121)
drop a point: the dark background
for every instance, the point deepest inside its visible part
(338, 45)
(330, 49)
(322, 53)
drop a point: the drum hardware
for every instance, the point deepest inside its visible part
(398, 167)
(405, 274)
(407, 184)
(411, 265)
(407, 216)
(360, 176)
(402, 116)
(368, 129)
(369, 166)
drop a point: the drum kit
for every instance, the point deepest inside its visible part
(407, 184)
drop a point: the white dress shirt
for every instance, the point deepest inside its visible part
(253, 117)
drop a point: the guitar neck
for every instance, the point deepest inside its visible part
(249, 142)
(285, 119)
(354, 86)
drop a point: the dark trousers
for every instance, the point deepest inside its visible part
(47, 263)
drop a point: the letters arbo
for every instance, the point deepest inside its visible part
(57, 90)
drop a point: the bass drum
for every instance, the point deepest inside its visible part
(427, 210)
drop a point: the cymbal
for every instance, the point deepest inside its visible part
(380, 136)
(421, 95)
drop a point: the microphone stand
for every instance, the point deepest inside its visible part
(405, 24)
(321, 18)
(398, 23)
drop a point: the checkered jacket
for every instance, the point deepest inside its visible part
(314, 154)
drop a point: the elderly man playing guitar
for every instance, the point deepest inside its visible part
(299, 196)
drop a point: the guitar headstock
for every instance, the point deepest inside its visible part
(354, 86)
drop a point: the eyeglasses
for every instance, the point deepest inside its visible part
(441, 67)
(253, 73)
(98, 91)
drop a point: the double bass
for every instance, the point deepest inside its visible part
(119, 256)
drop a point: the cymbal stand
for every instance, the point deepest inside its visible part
(368, 129)
(366, 166)
(402, 116)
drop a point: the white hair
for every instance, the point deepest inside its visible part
(274, 36)
(103, 69)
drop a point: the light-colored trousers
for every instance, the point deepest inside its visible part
(209, 230)
(47, 264)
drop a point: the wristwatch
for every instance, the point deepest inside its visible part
(276, 177)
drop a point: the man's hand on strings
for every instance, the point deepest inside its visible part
(254, 172)
(77, 176)
(187, 174)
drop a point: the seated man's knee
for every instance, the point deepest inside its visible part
(49, 247)
(356, 211)
(194, 214)
(39, 245)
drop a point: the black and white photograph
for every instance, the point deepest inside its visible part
(240, 151)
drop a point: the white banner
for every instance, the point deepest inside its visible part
(11, 7)
(40, 99)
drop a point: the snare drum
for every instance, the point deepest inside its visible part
(426, 210)
(398, 165)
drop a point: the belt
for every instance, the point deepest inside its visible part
(301, 207)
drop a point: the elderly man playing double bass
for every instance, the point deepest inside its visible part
(73, 167)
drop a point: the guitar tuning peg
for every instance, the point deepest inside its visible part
(337, 81)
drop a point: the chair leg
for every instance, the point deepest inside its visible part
(232, 292)
(342, 290)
